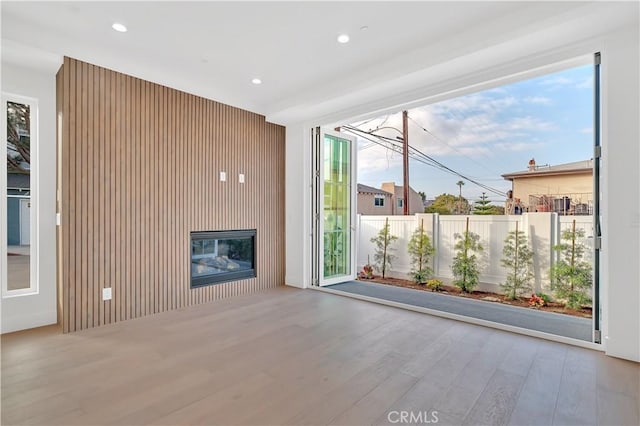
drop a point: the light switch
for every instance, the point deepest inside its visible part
(223, 176)
(241, 177)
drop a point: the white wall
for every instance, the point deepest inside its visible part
(28, 311)
(620, 135)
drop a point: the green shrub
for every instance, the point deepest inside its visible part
(434, 284)
(571, 276)
(465, 265)
(382, 255)
(517, 258)
(544, 297)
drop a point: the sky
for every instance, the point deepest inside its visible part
(486, 134)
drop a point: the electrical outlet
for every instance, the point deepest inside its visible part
(106, 293)
(241, 177)
(223, 176)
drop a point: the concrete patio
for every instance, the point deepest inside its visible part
(547, 322)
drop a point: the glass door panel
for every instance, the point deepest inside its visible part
(338, 218)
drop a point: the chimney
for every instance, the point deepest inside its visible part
(532, 164)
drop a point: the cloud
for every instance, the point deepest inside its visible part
(556, 81)
(519, 146)
(478, 126)
(587, 130)
(586, 83)
(528, 123)
(376, 158)
(538, 100)
(478, 103)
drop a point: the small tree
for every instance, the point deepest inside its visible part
(460, 183)
(571, 276)
(465, 266)
(382, 256)
(420, 252)
(517, 258)
(483, 206)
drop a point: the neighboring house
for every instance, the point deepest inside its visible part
(415, 200)
(374, 201)
(565, 188)
(18, 208)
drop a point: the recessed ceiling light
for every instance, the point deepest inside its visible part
(343, 38)
(119, 27)
(256, 81)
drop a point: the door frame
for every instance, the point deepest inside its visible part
(597, 228)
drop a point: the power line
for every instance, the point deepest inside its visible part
(436, 137)
(424, 158)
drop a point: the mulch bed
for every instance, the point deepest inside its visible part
(522, 302)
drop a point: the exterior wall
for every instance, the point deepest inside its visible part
(139, 172)
(542, 229)
(579, 184)
(415, 200)
(366, 205)
(13, 221)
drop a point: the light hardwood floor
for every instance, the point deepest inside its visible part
(287, 356)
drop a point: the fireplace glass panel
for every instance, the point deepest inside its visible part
(221, 256)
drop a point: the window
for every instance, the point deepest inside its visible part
(378, 201)
(400, 203)
(18, 245)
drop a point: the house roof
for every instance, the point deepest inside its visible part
(371, 190)
(577, 167)
(18, 181)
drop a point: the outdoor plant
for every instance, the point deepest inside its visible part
(434, 284)
(333, 249)
(383, 251)
(367, 271)
(571, 276)
(420, 252)
(536, 301)
(517, 258)
(544, 297)
(465, 265)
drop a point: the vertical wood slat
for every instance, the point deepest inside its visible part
(139, 170)
(60, 85)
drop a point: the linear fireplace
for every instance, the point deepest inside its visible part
(222, 256)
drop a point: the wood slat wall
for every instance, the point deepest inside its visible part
(139, 171)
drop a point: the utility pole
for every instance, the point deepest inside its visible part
(405, 160)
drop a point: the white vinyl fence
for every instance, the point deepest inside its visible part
(542, 229)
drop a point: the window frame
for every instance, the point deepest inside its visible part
(34, 138)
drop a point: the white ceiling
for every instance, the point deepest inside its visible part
(214, 49)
